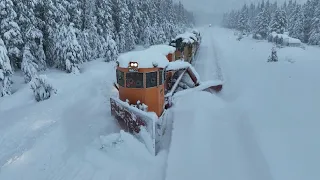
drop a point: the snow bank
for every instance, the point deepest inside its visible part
(155, 55)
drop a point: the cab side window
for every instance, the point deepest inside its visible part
(134, 80)
(151, 79)
(120, 78)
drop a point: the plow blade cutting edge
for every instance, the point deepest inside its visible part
(147, 127)
(139, 123)
(208, 86)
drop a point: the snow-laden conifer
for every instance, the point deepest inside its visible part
(5, 71)
(273, 57)
(28, 66)
(41, 87)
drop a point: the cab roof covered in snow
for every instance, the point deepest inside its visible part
(148, 58)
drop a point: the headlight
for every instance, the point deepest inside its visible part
(133, 64)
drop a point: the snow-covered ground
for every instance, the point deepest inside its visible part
(60, 138)
(281, 101)
(267, 125)
(263, 126)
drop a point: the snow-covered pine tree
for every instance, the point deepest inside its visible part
(50, 14)
(290, 8)
(273, 57)
(124, 29)
(10, 32)
(67, 50)
(301, 21)
(112, 51)
(314, 38)
(25, 16)
(28, 65)
(161, 20)
(105, 23)
(308, 9)
(262, 24)
(88, 18)
(85, 45)
(297, 23)
(251, 17)
(291, 11)
(243, 19)
(75, 10)
(279, 22)
(233, 19)
(133, 19)
(5, 71)
(34, 41)
(96, 44)
(41, 88)
(148, 38)
(144, 23)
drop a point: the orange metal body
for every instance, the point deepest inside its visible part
(153, 97)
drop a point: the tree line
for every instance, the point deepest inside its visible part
(301, 21)
(38, 34)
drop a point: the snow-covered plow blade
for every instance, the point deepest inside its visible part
(187, 79)
(212, 86)
(208, 86)
(137, 122)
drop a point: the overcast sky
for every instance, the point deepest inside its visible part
(218, 6)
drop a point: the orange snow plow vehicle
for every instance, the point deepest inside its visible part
(147, 81)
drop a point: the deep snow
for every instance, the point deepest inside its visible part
(281, 100)
(60, 138)
(264, 125)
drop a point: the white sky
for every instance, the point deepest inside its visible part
(217, 6)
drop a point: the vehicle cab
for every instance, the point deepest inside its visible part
(141, 77)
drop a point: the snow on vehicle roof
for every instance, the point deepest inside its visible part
(154, 55)
(187, 37)
(163, 48)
